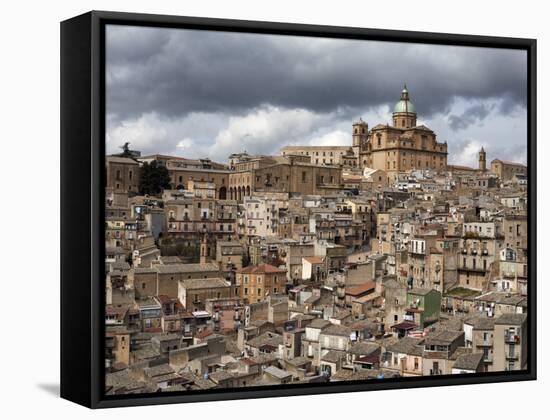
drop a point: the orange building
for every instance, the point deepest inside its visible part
(256, 282)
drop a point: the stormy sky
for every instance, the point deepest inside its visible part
(209, 94)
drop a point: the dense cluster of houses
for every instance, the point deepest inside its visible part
(356, 276)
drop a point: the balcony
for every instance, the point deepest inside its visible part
(511, 339)
(512, 356)
(468, 268)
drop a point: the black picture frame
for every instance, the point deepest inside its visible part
(82, 205)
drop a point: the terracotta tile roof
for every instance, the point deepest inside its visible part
(507, 162)
(204, 333)
(315, 259)
(362, 288)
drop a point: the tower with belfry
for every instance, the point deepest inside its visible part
(482, 161)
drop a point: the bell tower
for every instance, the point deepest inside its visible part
(482, 161)
(205, 250)
(359, 135)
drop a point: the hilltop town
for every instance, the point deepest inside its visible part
(316, 264)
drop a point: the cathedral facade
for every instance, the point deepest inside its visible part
(400, 147)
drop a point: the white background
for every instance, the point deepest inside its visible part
(29, 280)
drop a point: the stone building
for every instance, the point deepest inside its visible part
(190, 217)
(324, 155)
(256, 283)
(122, 174)
(163, 279)
(480, 245)
(229, 255)
(282, 174)
(510, 342)
(261, 214)
(194, 293)
(479, 336)
(182, 170)
(507, 170)
(403, 146)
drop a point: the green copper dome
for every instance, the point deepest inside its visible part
(404, 105)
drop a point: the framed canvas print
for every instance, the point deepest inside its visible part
(255, 209)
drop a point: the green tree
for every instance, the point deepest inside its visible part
(153, 178)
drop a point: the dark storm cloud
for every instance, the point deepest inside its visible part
(176, 72)
(471, 115)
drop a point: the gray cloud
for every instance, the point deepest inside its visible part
(475, 113)
(200, 93)
(174, 72)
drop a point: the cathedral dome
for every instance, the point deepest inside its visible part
(404, 104)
